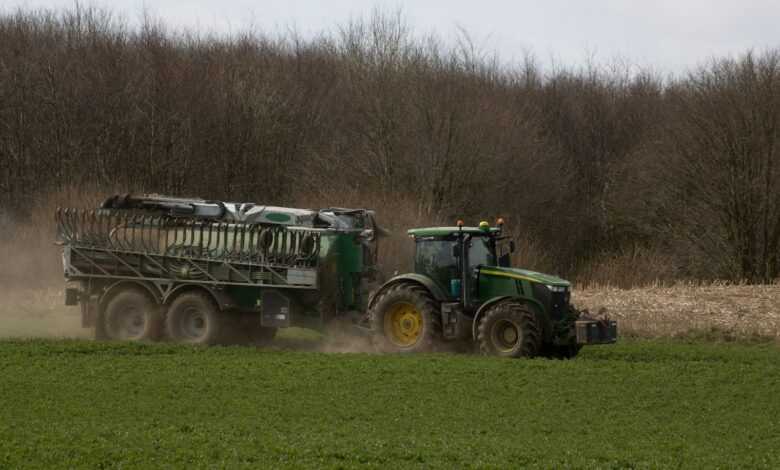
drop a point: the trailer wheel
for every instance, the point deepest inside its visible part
(509, 329)
(404, 319)
(194, 318)
(131, 315)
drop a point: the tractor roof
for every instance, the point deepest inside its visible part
(444, 231)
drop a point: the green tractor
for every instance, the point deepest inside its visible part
(463, 290)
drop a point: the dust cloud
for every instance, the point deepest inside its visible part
(38, 312)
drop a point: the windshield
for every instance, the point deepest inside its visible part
(481, 252)
(435, 259)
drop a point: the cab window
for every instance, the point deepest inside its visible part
(481, 252)
(435, 259)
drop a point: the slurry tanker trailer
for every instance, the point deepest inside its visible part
(151, 267)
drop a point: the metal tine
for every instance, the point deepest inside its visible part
(210, 233)
(186, 237)
(200, 239)
(64, 227)
(124, 232)
(165, 236)
(158, 235)
(101, 229)
(148, 231)
(228, 242)
(86, 234)
(60, 226)
(194, 227)
(236, 241)
(137, 232)
(89, 227)
(97, 234)
(280, 254)
(219, 248)
(289, 247)
(142, 229)
(116, 223)
(273, 254)
(240, 240)
(109, 229)
(243, 249)
(81, 223)
(70, 217)
(294, 247)
(233, 247)
(72, 225)
(253, 240)
(75, 223)
(317, 245)
(131, 232)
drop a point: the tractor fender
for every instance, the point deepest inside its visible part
(222, 299)
(537, 307)
(424, 281)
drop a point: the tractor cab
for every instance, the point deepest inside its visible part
(453, 256)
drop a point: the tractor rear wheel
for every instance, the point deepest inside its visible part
(194, 318)
(404, 319)
(131, 315)
(509, 329)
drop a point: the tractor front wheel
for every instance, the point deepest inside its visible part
(509, 329)
(404, 319)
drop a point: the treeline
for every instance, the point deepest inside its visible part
(604, 173)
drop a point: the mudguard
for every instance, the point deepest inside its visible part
(437, 292)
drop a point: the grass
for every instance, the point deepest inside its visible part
(638, 404)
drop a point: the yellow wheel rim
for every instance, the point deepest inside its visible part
(403, 324)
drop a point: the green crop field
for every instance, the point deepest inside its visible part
(638, 404)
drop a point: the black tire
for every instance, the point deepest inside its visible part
(131, 315)
(194, 318)
(413, 311)
(509, 329)
(568, 351)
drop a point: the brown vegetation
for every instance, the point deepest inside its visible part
(724, 311)
(604, 173)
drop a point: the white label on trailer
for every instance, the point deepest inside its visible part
(302, 277)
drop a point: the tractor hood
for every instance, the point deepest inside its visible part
(524, 275)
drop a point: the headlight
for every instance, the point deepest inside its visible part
(557, 288)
